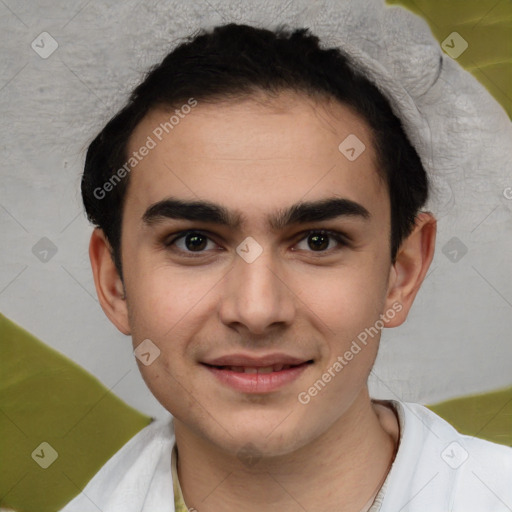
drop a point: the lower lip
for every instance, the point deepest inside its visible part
(258, 382)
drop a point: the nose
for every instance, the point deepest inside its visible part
(256, 295)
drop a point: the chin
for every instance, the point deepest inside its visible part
(263, 435)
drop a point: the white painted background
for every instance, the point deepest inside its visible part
(457, 339)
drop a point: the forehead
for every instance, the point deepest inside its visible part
(253, 153)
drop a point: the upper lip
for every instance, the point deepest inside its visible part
(250, 361)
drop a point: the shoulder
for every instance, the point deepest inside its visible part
(438, 466)
(123, 482)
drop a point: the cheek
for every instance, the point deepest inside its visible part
(169, 386)
(349, 305)
(345, 298)
(168, 306)
(352, 341)
(165, 298)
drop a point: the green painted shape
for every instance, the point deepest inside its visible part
(46, 397)
(487, 415)
(486, 25)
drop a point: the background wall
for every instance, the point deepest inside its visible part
(67, 67)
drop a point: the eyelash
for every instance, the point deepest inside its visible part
(336, 235)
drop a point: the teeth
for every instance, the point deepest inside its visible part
(266, 369)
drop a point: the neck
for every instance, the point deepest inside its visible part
(340, 470)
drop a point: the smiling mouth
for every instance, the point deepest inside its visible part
(260, 369)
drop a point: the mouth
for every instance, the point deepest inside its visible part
(257, 376)
(259, 369)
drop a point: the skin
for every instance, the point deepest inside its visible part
(334, 452)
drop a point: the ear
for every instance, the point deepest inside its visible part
(410, 268)
(109, 287)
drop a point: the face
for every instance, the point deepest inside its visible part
(226, 303)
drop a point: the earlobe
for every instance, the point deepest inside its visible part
(109, 287)
(411, 265)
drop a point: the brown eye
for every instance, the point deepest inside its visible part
(195, 241)
(189, 242)
(319, 241)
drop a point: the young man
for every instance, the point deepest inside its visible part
(258, 212)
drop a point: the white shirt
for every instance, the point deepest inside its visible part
(436, 469)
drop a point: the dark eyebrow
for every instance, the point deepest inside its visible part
(299, 213)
